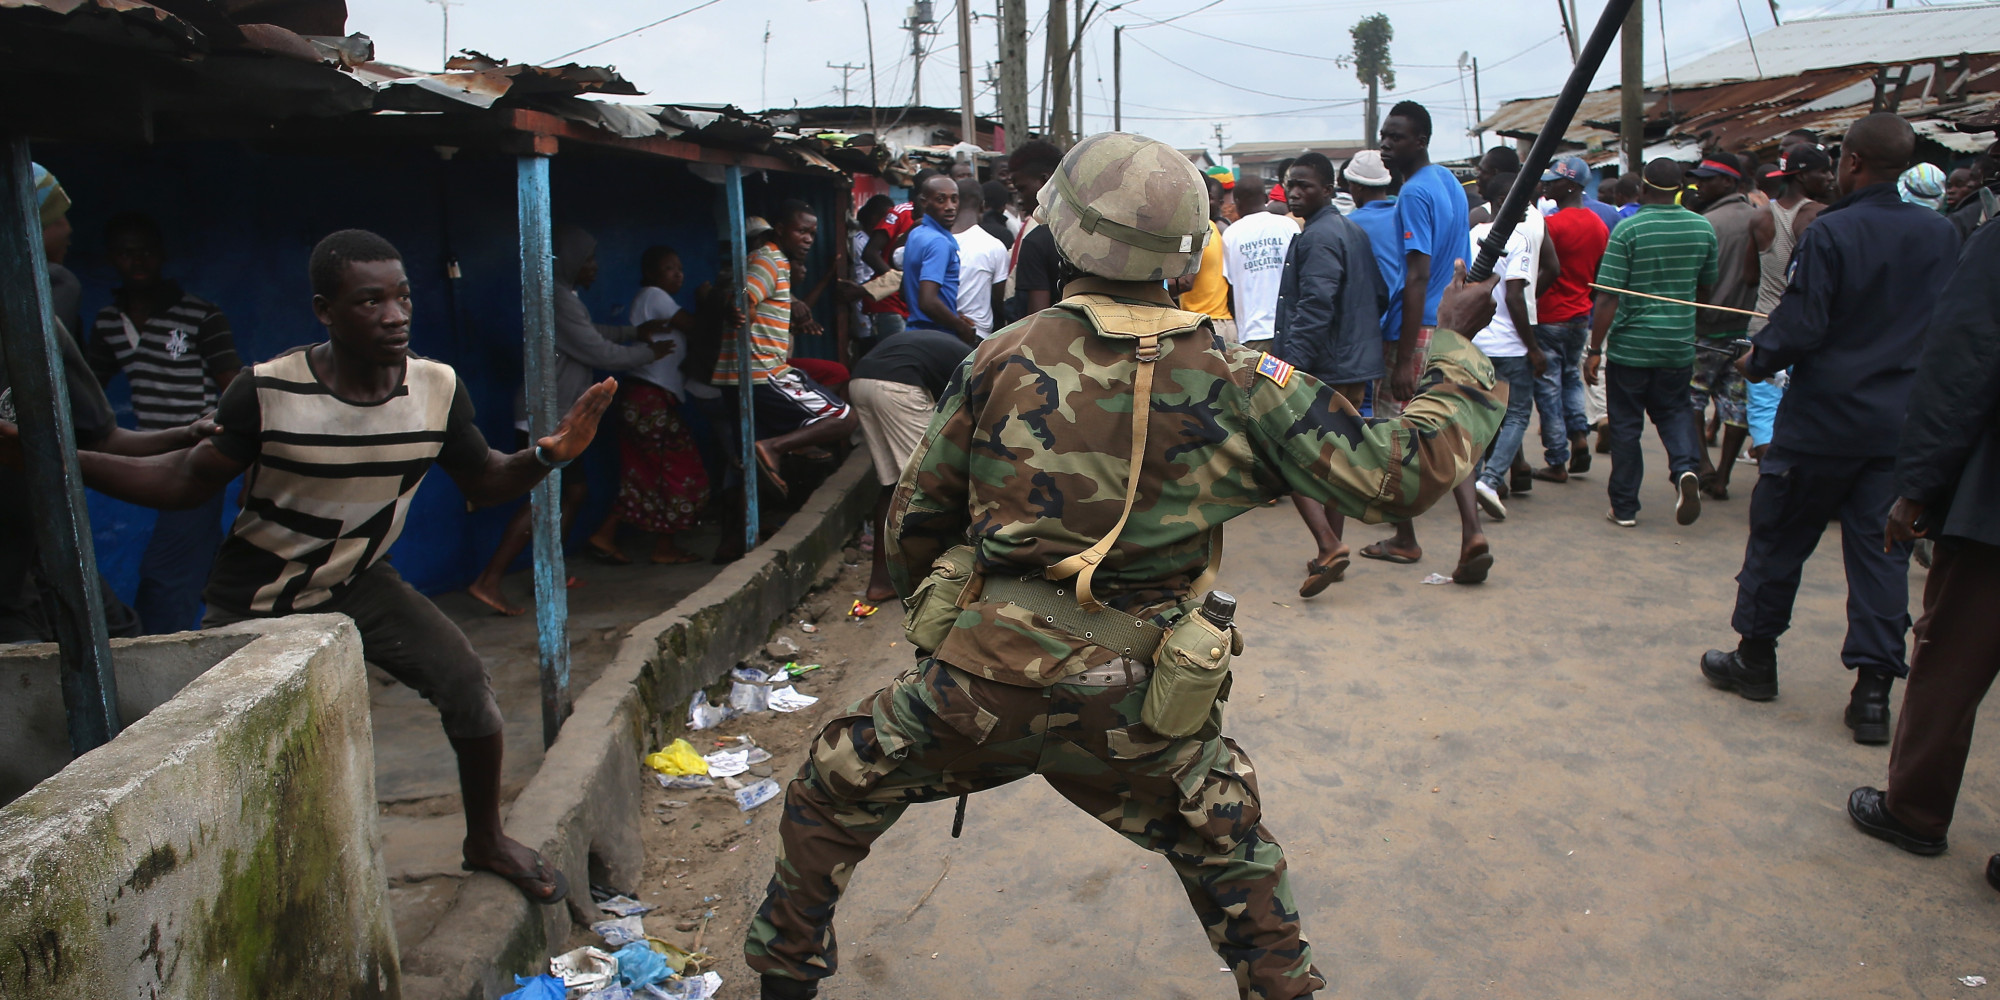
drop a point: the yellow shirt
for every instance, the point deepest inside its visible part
(1210, 293)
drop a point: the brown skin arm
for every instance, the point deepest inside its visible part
(930, 298)
(1902, 525)
(1600, 327)
(1517, 309)
(171, 444)
(176, 480)
(1416, 278)
(1551, 266)
(1036, 300)
(873, 254)
(1807, 213)
(505, 477)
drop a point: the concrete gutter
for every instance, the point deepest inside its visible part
(582, 809)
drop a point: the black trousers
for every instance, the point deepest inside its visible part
(1630, 396)
(1796, 495)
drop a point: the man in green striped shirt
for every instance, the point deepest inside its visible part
(1668, 251)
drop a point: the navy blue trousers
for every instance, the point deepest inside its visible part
(175, 567)
(1796, 495)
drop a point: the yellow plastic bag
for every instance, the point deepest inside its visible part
(677, 759)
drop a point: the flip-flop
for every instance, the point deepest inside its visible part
(612, 556)
(1320, 576)
(861, 610)
(531, 885)
(1380, 550)
(1474, 569)
(770, 470)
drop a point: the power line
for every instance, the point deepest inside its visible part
(1226, 83)
(634, 31)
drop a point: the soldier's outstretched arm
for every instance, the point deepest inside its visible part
(928, 513)
(1389, 469)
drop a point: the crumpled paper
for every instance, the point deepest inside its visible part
(620, 932)
(585, 969)
(788, 699)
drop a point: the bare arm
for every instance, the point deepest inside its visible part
(176, 480)
(1416, 281)
(505, 477)
(1517, 310)
(930, 299)
(1600, 328)
(872, 253)
(140, 443)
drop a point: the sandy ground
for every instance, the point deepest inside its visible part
(1523, 789)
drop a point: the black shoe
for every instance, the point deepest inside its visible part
(1521, 480)
(1754, 677)
(1868, 809)
(780, 988)
(1688, 507)
(1868, 708)
(1993, 871)
(1579, 456)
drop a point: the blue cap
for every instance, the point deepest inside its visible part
(1569, 168)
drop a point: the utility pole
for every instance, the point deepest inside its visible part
(764, 72)
(1566, 9)
(845, 70)
(1632, 116)
(921, 22)
(1218, 142)
(874, 103)
(1479, 134)
(1057, 92)
(1014, 70)
(444, 43)
(1076, 86)
(1118, 78)
(968, 128)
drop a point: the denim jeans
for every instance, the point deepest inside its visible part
(1519, 377)
(1559, 392)
(1630, 396)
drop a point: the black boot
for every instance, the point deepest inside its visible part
(780, 988)
(1869, 810)
(1993, 871)
(1868, 707)
(1751, 670)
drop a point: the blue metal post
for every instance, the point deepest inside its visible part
(538, 328)
(746, 403)
(38, 398)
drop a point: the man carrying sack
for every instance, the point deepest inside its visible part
(1066, 641)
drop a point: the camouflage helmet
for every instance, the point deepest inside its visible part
(1128, 208)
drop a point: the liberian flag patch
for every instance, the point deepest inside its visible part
(1275, 369)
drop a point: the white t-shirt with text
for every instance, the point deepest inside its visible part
(1253, 259)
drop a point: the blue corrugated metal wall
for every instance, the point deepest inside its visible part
(241, 221)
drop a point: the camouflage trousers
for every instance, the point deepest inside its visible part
(937, 732)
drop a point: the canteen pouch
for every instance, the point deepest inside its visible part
(1188, 672)
(930, 610)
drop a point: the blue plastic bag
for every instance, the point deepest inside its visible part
(538, 988)
(639, 965)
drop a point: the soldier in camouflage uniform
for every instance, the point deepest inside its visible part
(1028, 458)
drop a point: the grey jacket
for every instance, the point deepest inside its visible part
(583, 347)
(1330, 300)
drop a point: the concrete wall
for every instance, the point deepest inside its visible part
(34, 731)
(223, 846)
(581, 810)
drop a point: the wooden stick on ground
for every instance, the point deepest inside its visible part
(1679, 302)
(926, 897)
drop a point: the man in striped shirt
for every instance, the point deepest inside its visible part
(793, 411)
(333, 440)
(176, 350)
(1666, 251)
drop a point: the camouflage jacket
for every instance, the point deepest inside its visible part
(1027, 459)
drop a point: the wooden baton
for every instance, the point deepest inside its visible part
(1679, 302)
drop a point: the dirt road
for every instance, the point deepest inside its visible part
(1516, 790)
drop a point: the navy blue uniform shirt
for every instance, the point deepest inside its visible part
(1851, 323)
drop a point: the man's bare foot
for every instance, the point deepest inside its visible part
(487, 592)
(508, 858)
(1474, 562)
(767, 460)
(1388, 551)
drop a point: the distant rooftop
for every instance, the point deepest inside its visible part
(1895, 36)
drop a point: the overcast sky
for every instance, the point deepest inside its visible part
(1214, 65)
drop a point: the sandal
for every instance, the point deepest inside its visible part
(1320, 576)
(862, 610)
(604, 555)
(547, 886)
(1380, 550)
(1474, 568)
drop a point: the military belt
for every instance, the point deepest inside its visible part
(1055, 607)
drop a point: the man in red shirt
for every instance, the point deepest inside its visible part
(887, 316)
(1563, 323)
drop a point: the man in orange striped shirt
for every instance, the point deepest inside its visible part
(793, 411)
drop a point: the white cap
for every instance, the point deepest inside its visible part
(1368, 170)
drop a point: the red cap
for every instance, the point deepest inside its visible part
(1711, 168)
(1277, 192)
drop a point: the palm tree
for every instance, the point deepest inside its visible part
(1371, 62)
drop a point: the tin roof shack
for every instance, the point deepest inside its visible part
(250, 140)
(1261, 159)
(1933, 65)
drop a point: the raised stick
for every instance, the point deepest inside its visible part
(1679, 302)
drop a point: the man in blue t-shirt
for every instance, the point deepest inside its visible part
(930, 262)
(1436, 234)
(1368, 180)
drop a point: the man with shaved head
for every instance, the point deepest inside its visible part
(1850, 326)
